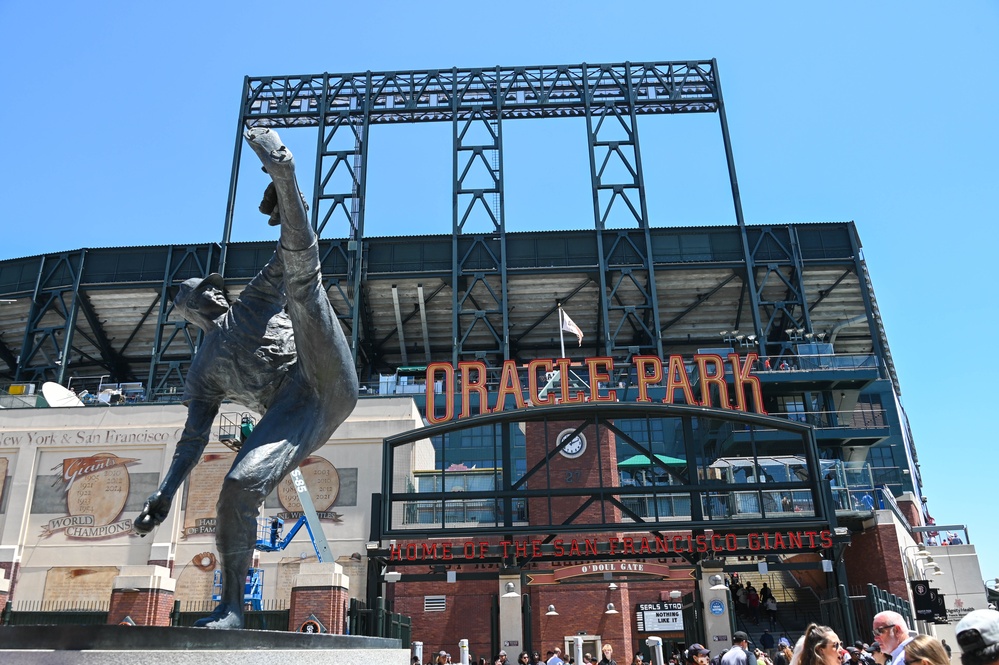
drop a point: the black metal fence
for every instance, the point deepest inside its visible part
(55, 613)
(377, 621)
(274, 614)
(361, 620)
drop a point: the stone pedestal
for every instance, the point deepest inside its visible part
(320, 590)
(144, 594)
(151, 645)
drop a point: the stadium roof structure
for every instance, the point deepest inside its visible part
(93, 312)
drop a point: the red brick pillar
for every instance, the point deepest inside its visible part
(143, 593)
(4, 590)
(9, 568)
(322, 590)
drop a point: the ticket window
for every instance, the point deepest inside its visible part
(591, 644)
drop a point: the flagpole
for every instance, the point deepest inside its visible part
(561, 333)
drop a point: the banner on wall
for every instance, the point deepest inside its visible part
(96, 490)
(203, 492)
(323, 481)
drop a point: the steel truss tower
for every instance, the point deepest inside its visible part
(477, 102)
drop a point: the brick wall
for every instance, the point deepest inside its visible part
(161, 562)
(580, 472)
(328, 604)
(469, 614)
(10, 570)
(912, 512)
(582, 609)
(873, 557)
(146, 607)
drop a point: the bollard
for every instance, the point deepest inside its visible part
(463, 651)
(656, 644)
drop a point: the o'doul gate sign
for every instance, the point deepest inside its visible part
(659, 617)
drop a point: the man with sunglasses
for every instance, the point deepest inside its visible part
(892, 633)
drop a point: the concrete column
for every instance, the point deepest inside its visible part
(511, 617)
(143, 593)
(322, 590)
(715, 598)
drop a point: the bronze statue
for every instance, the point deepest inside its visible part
(279, 350)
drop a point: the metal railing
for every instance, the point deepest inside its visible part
(797, 363)
(864, 416)
(461, 511)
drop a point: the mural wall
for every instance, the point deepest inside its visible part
(73, 479)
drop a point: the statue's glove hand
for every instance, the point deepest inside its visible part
(155, 510)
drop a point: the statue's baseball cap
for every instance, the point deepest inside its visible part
(977, 630)
(192, 288)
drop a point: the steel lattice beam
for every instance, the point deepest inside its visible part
(176, 340)
(545, 91)
(48, 336)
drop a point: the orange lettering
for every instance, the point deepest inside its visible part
(448, 385)
(468, 387)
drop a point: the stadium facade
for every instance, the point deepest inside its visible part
(730, 399)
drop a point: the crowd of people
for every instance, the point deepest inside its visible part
(552, 657)
(894, 644)
(753, 604)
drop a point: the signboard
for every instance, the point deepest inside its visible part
(717, 607)
(576, 549)
(673, 373)
(660, 617)
(923, 601)
(939, 607)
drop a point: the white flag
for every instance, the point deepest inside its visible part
(569, 325)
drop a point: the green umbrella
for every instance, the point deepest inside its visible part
(643, 460)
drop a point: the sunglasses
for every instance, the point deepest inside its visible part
(834, 645)
(882, 629)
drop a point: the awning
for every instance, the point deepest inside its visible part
(739, 462)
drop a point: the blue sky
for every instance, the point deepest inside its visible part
(120, 120)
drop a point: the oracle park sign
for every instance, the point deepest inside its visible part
(547, 382)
